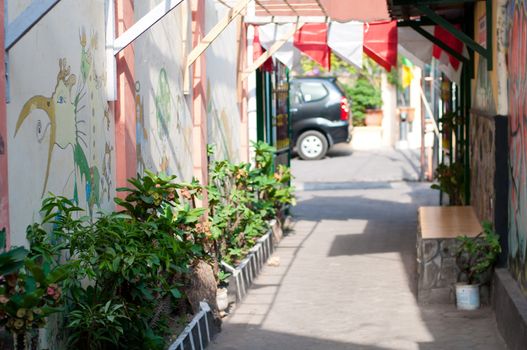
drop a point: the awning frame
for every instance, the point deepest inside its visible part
(485, 52)
(416, 25)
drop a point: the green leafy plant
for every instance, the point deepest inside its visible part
(223, 277)
(30, 289)
(450, 180)
(241, 200)
(449, 121)
(97, 324)
(123, 266)
(476, 256)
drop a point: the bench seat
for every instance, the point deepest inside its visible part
(437, 271)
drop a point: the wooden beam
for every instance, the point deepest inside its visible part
(142, 25)
(111, 64)
(209, 38)
(458, 34)
(438, 42)
(272, 50)
(216, 31)
(26, 20)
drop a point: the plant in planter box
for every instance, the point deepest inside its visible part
(475, 258)
(128, 268)
(234, 219)
(272, 185)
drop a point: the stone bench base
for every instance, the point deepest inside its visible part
(437, 271)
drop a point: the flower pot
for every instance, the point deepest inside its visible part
(467, 296)
(373, 117)
(222, 299)
(408, 112)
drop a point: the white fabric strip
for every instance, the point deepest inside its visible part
(346, 40)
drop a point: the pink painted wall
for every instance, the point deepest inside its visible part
(199, 98)
(4, 194)
(125, 136)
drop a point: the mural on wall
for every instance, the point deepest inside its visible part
(164, 122)
(64, 129)
(517, 74)
(141, 137)
(171, 126)
(223, 115)
(219, 130)
(483, 166)
(163, 102)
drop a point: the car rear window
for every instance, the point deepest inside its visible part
(313, 91)
(340, 87)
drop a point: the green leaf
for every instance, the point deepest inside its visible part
(176, 293)
(59, 273)
(36, 271)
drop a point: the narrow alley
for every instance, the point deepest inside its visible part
(346, 277)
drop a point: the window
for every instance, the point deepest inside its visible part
(313, 91)
(296, 95)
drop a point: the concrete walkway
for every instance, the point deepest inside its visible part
(346, 279)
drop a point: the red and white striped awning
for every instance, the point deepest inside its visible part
(319, 10)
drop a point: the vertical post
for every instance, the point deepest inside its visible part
(462, 129)
(260, 106)
(467, 76)
(199, 97)
(268, 87)
(242, 91)
(125, 134)
(4, 189)
(489, 41)
(423, 134)
(289, 121)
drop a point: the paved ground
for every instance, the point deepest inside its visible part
(346, 278)
(343, 166)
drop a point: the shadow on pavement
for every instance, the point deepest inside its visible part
(240, 336)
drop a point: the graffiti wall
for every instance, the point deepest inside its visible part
(59, 126)
(517, 58)
(223, 115)
(483, 166)
(163, 119)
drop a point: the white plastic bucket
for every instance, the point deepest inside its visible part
(467, 296)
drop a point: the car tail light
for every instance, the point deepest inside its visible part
(344, 109)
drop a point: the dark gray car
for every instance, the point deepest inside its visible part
(320, 115)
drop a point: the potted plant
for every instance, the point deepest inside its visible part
(475, 258)
(366, 97)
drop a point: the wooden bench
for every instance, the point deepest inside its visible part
(437, 271)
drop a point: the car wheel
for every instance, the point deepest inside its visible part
(312, 145)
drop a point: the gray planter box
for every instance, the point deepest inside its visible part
(198, 334)
(244, 274)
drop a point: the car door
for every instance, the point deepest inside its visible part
(307, 104)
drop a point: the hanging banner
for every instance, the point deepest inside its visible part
(380, 43)
(259, 50)
(345, 40)
(312, 39)
(448, 64)
(270, 33)
(415, 46)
